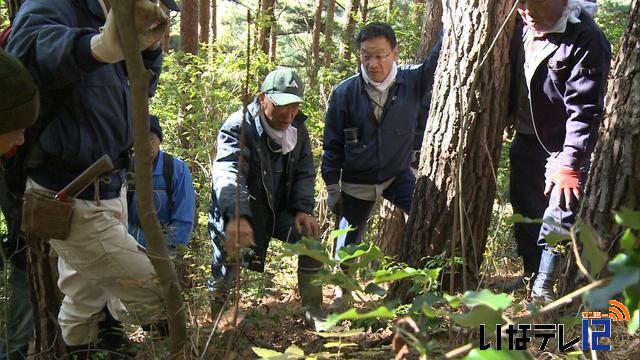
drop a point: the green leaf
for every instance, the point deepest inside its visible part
(479, 315)
(628, 218)
(453, 300)
(518, 218)
(421, 276)
(626, 275)
(486, 298)
(335, 233)
(594, 256)
(359, 255)
(633, 325)
(628, 240)
(265, 353)
(337, 344)
(352, 314)
(294, 350)
(554, 238)
(493, 354)
(339, 334)
(309, 247)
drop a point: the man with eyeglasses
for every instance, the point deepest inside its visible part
(371, 132)
(264, 153)
(566, 64)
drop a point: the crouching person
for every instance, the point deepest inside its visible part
(275, 175)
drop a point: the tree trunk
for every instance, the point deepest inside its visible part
(392, 219)
(328, 41)
(431, 26)
(203, 19)
(365, 11)
(350, 25)
(214, 21)
(166, 35)
(273, 42)
(390, 229)
(389, 9)
(454, 193)
(45, 299)
(264, 21)
(315, 37)
(614, 181)
(189, 26)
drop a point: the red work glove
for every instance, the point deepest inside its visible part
(565, 181)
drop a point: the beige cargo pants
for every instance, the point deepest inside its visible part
(99, 264)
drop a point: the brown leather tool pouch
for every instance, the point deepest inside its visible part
(45, 217)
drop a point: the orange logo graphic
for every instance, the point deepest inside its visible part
(617, 311)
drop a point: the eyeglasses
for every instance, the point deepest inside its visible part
(366, 58)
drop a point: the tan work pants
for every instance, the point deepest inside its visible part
(99, 263)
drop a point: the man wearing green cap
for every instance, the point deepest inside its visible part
(274, 175)
(19, 106)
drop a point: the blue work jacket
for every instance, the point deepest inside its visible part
(385, 147)
(85, 104)
(567, 91)
(177, 227)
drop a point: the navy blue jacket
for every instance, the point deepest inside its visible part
(257, 190)
(567, 92)
(85, 104)
(384, 149)
(178, 226)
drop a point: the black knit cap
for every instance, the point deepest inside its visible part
(154, 126)
(20, 101)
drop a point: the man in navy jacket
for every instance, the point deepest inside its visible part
(72, 50)
(372, 131)
(566, 64)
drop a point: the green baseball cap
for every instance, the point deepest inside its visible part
(283, 86)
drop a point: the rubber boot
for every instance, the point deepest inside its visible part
(79, 352)
(341, 301)
(531, 263)
(543, 285)
(113, 339)
(311, 295)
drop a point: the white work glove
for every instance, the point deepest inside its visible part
(150, 23)
(334, 196)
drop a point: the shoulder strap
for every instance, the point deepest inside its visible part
(167, 173)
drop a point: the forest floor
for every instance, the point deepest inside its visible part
(270, 319)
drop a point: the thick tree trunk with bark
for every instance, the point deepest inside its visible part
(264, 21)
(214, 21)
(392, 219)
(328, 41)
(614, 180)
(166, 35)
(273, 42)
(431, 26)
(349, 28)
(45, 299)
(315, 36)
(456, 186)
(203, 19)
(189, 26)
